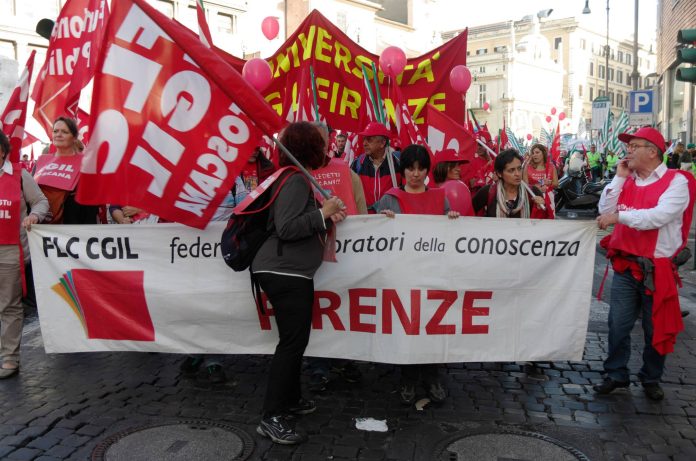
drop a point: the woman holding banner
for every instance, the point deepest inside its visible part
(415, 198)
(509, 198)
(58, 175)
(22, 205)
(284, 267)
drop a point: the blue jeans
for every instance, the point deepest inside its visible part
(628, 298)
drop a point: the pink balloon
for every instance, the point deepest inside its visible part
(270, 27)
(486, 106)
(553, 111)
(460, 78)
(392, 61)
(548, 119)
(459, 197)
(257, 73)
(561, 116)
(529, 137)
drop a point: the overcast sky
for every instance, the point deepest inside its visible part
(488, 11)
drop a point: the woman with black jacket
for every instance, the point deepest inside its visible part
(284, 267)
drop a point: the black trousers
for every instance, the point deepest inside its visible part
(292, 299)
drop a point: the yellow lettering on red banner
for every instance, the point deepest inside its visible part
(423, 71)
(343, 56)
(322, 45)
(275, 101)
(350, 100)
(307, 42)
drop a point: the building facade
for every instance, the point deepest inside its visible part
(576, 47)
(675, 99)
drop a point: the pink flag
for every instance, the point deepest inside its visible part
(70, 60)
(171, 123)
(15, 114)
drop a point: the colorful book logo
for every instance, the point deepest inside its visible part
(109, 304)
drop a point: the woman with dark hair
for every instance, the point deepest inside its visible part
(508, 198)
(415, 198)
(60, 189)
(448, 174)
(284, 267)
(22, 205)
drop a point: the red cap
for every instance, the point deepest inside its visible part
(376, 129)
(648, 134)
(450, 155)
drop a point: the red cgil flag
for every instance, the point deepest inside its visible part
(70, 60)
(556, 144)
(171, 123)
(14, 116)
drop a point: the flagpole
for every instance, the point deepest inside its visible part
(369, 92)
(378, 95)
(314, 92)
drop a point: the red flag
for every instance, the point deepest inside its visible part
(203, 30)
(556, 144)
(503, 138)
(171, 123)
(300, 103)
(445, 133)
(406, 128)
(70, 63)
(15, 114)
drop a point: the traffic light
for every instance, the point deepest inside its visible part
(687, 53)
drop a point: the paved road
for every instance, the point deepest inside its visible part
(62, 406)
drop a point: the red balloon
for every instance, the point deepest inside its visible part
(548, 119)
(529, 137)
(561, 116)
(553, 111)
(257, 73)
(460, 78)
(392, 61)
(459, 197)
(486, 106)
(270, 27)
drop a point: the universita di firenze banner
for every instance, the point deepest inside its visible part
(337, 63)
(413, 289)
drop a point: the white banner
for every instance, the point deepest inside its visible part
(414, 289)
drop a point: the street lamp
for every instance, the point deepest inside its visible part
(586, 10)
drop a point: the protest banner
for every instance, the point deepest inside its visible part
(338, 63)
(413, 289)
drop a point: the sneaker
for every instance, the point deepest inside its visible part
(278, 429)
(609, 385)
(407, 393)
(216, 374)
(437, 392)
(303, 407)
(653, 391)
(350, 372)
(190, 365)
(318, 382)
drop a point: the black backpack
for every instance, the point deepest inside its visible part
(247, 230)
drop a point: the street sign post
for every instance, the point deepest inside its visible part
(600, 112)
(640, 107)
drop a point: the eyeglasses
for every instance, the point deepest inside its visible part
(633, 146)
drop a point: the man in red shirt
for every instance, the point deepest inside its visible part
(651, 209)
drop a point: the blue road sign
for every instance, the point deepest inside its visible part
(640, 107)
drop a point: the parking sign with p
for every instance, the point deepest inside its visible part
(640, 107)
